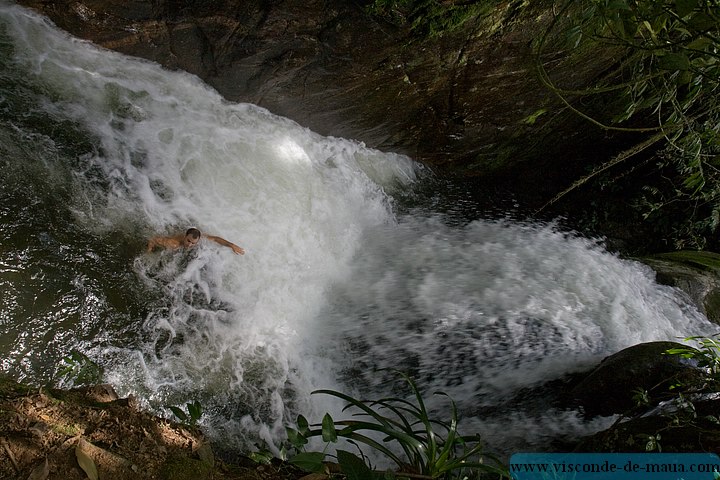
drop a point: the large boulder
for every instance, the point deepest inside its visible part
(609, 389)
(695, 273)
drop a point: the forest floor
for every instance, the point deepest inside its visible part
(91, 433)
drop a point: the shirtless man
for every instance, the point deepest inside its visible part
(188, 240)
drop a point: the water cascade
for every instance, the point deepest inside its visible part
(343, 275)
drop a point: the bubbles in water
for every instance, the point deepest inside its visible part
(336, 284)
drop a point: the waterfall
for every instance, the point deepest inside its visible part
(338, 281)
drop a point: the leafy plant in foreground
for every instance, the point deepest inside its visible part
(431, 448)
(194, 412)
(707, 354)
(76, 369)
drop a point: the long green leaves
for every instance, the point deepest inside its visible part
(707, 354)
(431, 448)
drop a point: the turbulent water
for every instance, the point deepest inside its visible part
(345, 273)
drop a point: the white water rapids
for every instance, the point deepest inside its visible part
(336, 282)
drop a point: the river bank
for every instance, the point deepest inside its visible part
(54, 434)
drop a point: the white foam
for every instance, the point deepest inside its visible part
(333, 285)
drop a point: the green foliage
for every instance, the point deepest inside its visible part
(679, 407)
(665, 85)
(653, 443)
(707, 354)
(433, 448)
(263, 456)
(76, 369)
(431, 18)
(193, 415)
(641, 397)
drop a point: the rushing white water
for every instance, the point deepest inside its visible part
(335, 283)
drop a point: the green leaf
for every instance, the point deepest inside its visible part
(309, 461)
(618, 5)
(701, 22)
(329, 434)
(574, 36)
(263, 457)
(353, 467)
(295, 438)
(685, 7)
(178, 413)
(303, 425)
(674, 61)
(531, 119)
(195, 410)
(699, 43)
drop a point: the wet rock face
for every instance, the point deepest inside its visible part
(316, 62)
(461, 101)
(695, 273)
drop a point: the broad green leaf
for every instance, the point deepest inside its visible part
(195, 410)
(701, 22)
(178, 413)
(684, 78)
(295, 438)
(353, 467)
(328, 429)
(618, 5)
(674, 61)
(309, 461)
(303, 425)
(685, 7)
(699, 43)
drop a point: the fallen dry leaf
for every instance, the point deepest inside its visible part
(84, 460)
(40, 472)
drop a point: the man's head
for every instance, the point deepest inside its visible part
(192, 237)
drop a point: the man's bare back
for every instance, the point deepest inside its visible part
(188, 240)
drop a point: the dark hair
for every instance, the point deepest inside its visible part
(193, 232)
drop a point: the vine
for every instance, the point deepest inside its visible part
(668, 84)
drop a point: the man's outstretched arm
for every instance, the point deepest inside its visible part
(225, 243)
(154, 242)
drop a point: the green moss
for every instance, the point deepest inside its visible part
(67, 430)
(706, 261)
(9, 388)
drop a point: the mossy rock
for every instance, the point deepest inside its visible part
(697, 273)
(706, 261)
